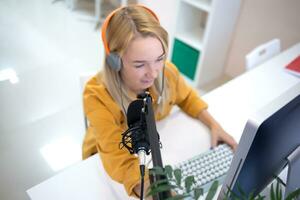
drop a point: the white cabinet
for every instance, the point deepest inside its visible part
(202, 38)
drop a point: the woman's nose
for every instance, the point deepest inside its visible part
(152, 71)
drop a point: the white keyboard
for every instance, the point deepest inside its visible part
(208, 166)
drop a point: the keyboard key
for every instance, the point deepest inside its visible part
(208, 167)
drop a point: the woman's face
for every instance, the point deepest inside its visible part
(142, 63)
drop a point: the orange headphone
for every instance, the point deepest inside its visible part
(112, 58)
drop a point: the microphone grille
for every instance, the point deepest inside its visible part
(134, 112)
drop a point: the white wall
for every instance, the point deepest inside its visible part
(167, 13)
(259, 22)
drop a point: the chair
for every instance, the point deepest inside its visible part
(262, 53)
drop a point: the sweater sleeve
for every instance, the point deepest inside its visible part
(186, 97)
(107, 129)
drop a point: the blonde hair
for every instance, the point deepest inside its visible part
(124, 25)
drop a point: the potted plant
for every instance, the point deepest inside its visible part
(186, 188)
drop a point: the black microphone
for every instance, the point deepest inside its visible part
(136, 135)
(141, 132)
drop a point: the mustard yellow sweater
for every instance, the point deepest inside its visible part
(107, 123)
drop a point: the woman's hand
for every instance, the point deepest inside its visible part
(218, 135)
(217, 132)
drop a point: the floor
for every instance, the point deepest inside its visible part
(46, 47)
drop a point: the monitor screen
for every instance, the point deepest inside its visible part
(268, 139)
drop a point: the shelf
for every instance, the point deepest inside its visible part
(191, 26)
(202, 37)
(200, 4)
(193, 38)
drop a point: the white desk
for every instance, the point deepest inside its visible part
(231, 105)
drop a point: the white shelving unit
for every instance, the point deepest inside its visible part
(202, 38)
(202, 5)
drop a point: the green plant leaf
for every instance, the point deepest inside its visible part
(231, 195)
(177, 197)
(157, 171)
(259, 197)
(227, 194)
(251, 196)
(178, 176)
(198, 192)
(169, 171)
(159, 183)
(272, 192)
(188, 182)
(212, 190)
(242, 193)
(278, 191)
(161, 188)
(293, 195)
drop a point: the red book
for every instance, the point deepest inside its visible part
(294, 67)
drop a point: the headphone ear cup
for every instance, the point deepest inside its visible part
(114, 61)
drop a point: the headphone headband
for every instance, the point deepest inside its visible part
(107, 20)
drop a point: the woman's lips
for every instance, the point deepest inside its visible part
(147, 81)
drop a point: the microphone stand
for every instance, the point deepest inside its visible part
(154, 143)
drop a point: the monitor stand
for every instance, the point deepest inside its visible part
(293, 181)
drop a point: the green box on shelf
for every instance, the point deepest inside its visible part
(185, 58)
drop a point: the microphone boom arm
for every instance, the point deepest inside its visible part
(154, 142)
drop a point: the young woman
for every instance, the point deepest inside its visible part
(136, 50)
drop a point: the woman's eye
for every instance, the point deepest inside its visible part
(160, 59)
(139, 66)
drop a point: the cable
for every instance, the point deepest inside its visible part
(162, 86)
(121, 93)
(142, 170)
(163, 81)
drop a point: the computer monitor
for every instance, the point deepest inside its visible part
(268, 140)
